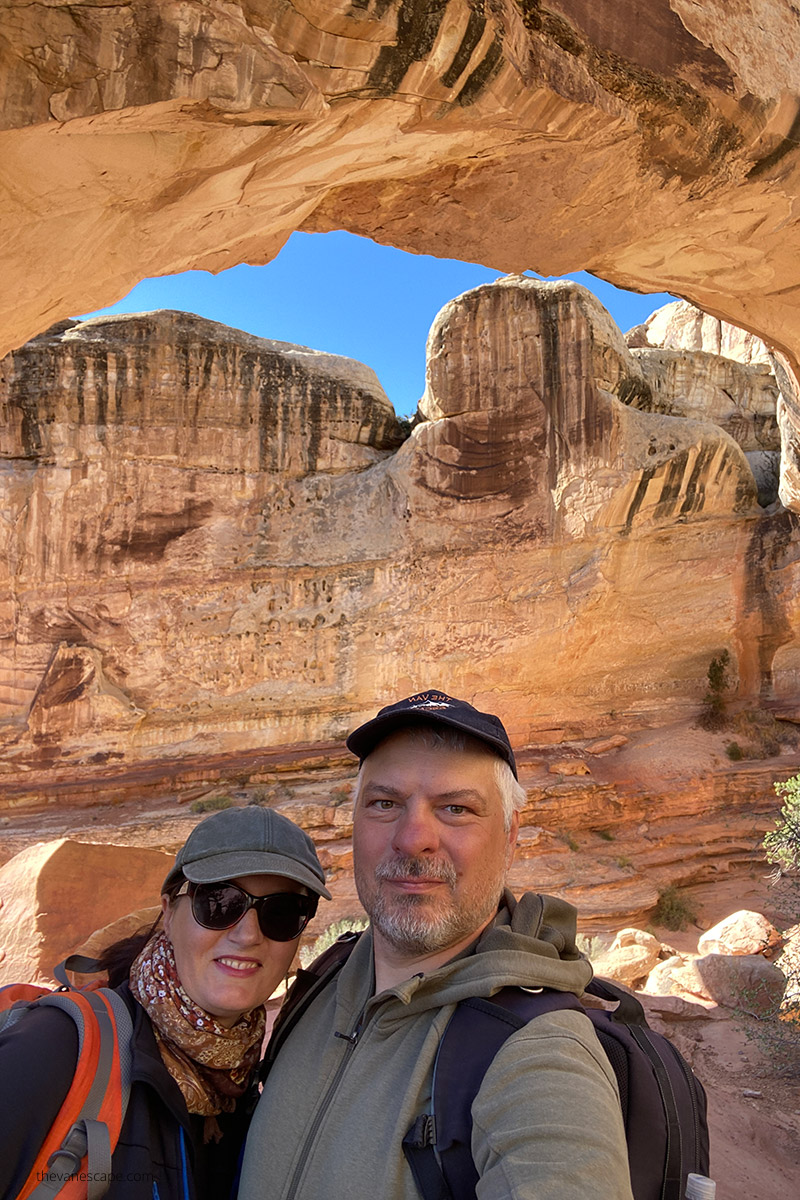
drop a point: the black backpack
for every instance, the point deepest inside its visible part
(663, 1102)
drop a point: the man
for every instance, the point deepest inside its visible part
(435, 824)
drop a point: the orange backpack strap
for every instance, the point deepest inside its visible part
(86, 1130)
(14, 999)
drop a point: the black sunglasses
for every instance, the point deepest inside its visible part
(282, 916)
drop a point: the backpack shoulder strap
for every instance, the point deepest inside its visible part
(78, 963)
(308, 983)
(438, 1145)
(88, 1124)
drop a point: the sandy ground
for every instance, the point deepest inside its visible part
(753, 1112)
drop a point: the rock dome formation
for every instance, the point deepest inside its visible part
(653, 144)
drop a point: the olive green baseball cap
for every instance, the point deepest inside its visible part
(248, 841)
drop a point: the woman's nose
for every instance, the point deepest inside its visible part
(247, 931)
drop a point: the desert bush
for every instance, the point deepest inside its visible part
(211, 804)
(329, 936)
(674, 909)
(759, 735)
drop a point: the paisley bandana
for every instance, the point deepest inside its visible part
(211, 1065)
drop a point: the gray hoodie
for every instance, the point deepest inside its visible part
(546, 1121)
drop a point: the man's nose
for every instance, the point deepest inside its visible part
(416, 831)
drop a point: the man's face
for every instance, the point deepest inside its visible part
(430, 850)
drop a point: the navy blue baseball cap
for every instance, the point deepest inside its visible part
(436, 708)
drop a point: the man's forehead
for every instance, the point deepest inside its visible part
(402, 765)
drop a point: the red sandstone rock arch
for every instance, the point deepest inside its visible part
(655, 145)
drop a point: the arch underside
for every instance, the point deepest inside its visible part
(656, 146)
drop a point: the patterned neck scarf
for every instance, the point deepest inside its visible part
(211, 1065)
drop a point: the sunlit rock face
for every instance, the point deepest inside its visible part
(653, 144)
(55, 893)
(682, 326)
(212, 543)
(698, 366)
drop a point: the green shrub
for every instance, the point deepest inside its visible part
(329, 936)
(782, 844)
(714, 713)
(623, 862)
(570, 841)
(734, 751)
(674, 910)
(211, 804)
(777, 1032)
(605, 834)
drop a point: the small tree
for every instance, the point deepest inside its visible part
(713, 714)
(782, 844)
(776, 1032)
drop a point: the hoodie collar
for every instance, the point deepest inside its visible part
(530, 943)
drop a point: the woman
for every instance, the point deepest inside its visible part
(243, 888)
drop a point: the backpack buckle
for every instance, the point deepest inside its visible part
(73, 1147)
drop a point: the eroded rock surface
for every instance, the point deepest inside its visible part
(217, 545)
(654, 145)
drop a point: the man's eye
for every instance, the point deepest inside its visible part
(383, 805)
(456, 809)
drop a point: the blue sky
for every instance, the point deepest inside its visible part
(348, 295)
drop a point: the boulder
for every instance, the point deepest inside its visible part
(740, 982)
(630, 957)
(665, 978)
(741, 933)
(788, 961)
(569, 766)
(747, 982)
(604, 745)
(55, 894)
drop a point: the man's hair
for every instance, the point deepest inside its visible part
(439, 737)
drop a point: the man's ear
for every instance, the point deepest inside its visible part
(166, 911)
(512, 839)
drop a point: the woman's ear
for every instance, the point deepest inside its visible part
(166, 910)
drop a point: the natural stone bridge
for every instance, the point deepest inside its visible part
(655, 145)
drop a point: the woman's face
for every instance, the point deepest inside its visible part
(231, 971)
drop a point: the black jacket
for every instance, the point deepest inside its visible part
(160, 1154)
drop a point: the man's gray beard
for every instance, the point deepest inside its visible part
(405, 920)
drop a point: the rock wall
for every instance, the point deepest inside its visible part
(655, 145)
(214, 545)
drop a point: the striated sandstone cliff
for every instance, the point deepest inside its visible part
(214, 545)
(655, 145)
